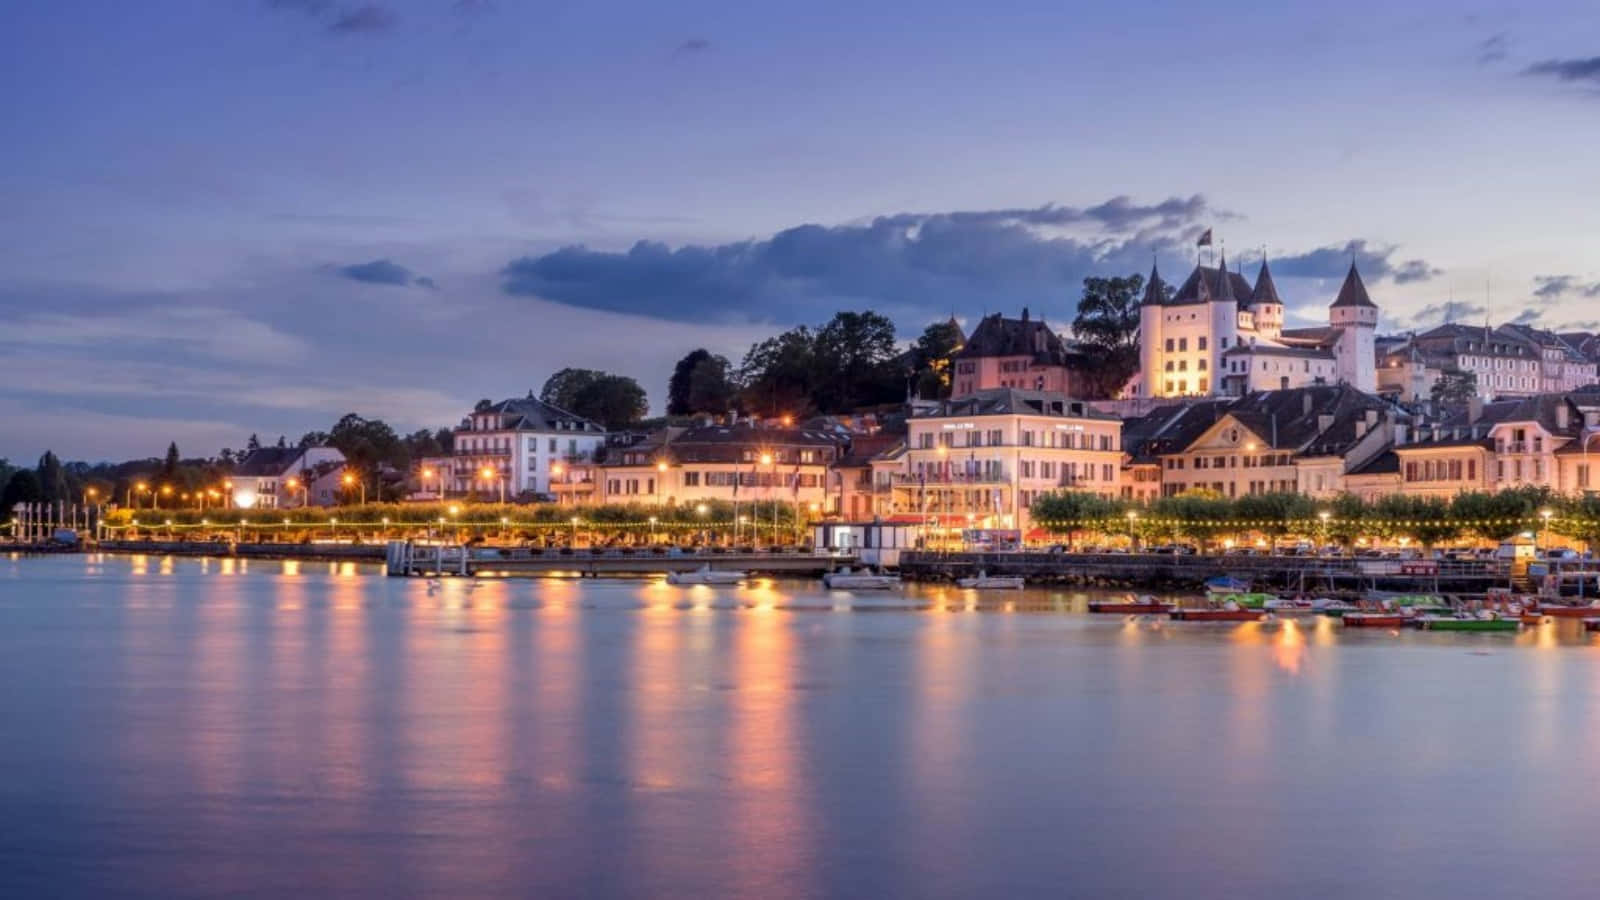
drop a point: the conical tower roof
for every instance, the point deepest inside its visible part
(1265, 291)
(1155, 290)
(1353, 292)
(1224, 289)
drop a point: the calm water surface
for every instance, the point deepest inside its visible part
(174, 727)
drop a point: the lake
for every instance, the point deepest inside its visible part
(190, 727)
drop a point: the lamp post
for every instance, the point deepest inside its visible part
(700, 513)
(661, 478)
(141, 487)
(574, 532)
(350, 480)
(652, 530)
(427, 473)
(1133, 535)
(305, 490)
(489, 473)
(766, 460)
(1544, 515)
(166, 491)
(1324, 515)
(556, 471)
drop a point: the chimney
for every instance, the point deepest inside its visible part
(1399, 434)
(1024, 314)
(1563, 416)
(1475, 408)
(1305, 404)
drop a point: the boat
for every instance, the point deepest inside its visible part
(1569, 611)
(1374, 619)
(1218, 614)
(1249, 601)
(1334, 608)
(1534, 618)
(1421, 604)
(1294, 606)
(706, 575)
(983, 581)
(1144, 604)
(863, 580)
(1591, 624)
(1226, 584)
(1483, 621)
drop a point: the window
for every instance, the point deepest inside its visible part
(1200, 342)
(1183, 345)
(1171, 344)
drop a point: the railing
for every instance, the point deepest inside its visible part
(980, 478)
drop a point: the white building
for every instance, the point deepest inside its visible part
(982, 460)
(1219, 334)
(516, 444)
(281, 477)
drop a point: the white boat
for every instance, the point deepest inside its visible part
(1295, 606)
(846, 580)
(706, 575)
(984, 581)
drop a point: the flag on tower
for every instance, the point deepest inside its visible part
(1205, 239)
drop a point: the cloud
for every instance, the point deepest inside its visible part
(1449, 311)
(1567, 69)
(386, 272)
(694, 45)
(1527, 317)
(1373, 260)
(910, 264)
(369, 19)
(1554, 287)
(1493, 49)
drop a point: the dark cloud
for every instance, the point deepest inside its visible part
(1449, 311)
(694, 45)
(369, 19)
(1493, 49)
(386, 272)
(1567, 69)
(1527, 317)
(1554, 287)
(907, 265)
(1375, 262)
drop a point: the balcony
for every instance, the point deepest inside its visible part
(947, 481)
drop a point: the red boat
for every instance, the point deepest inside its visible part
(1218, 615)
(1374, 620)
(1562, 611)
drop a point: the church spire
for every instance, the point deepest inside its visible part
(1353, 292)
(1265, 290)
(1155, 291)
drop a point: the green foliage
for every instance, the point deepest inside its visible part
(367, 444)
(850, 362)
(614, 401)
(1073, 512)
(169, 468)
(1283, 513)
(22, 487)
(699, 384)
(53, 478)
(1455, 388)
(932, 356)
(1107, 327)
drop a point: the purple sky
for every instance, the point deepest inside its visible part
(237, 216)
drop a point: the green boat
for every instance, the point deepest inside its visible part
(1421, 604)
(1455, 623)
(1242, 600)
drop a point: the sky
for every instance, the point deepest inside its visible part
(228, 217)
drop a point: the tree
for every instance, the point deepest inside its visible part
(933, 354)
(852, 362)
(699, 384)
(562, 389)
(52, 478)
(312, 439)
(615, 401)
(169, 468)
(776, 374)
(423, 443)
(1275, 515)
(283, 442)
(368, 443)
(253, 444)
(22, 487)
(1107, 326)
(1455, 387)
(1071, 512)
(483, 405)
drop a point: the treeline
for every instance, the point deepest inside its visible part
(1204, 516)
(710, 514)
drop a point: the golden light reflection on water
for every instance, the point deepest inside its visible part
(1289, 650)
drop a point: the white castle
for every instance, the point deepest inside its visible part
(1220, 335)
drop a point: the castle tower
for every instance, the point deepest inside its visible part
(1265, 307)
(1356, 317)
(1223, 312)
(1150, 308)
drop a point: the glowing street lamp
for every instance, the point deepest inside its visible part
(166, 491)
(1545, 514)
(304, 488)
(574, 532)
(349, 480)
(488, 473)
(141, 487)
(427, 473)
(652, 529)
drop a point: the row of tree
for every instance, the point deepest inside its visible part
(1205, 516)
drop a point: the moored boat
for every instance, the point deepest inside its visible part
(1591, 624)
(1144, 604)
(983, 581)
(1248, 601)
(1374, 619)
(847, 580)
(1484, 621)
(1293, 606)
(1226, 584)
(1534, 618)
(1421, 604)
(1568, 611)
(1218, 615)
(706, 575)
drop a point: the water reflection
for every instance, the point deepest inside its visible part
(318, 729)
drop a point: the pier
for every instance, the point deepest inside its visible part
(403, 558)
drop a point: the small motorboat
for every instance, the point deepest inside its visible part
(1144, 604)
(1374, 619)
(1246, 600)
(1421, 604)
(1333, 608)
(1225, 612)
(983, 581)
(1482, 621)
(864, 580)
(706, 575)
(1226, 584)
(1292, 606)
(1569, 611)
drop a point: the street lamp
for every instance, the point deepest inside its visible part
(1544, 514)
(661, 479)
(489, 474)
(427, 473)
(652, 530)
(767, 460)
(349, 479)
(574, 532)
(141, 487)
(166, 491)
(1324, 515)
(1133, 536)
(295, 483)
